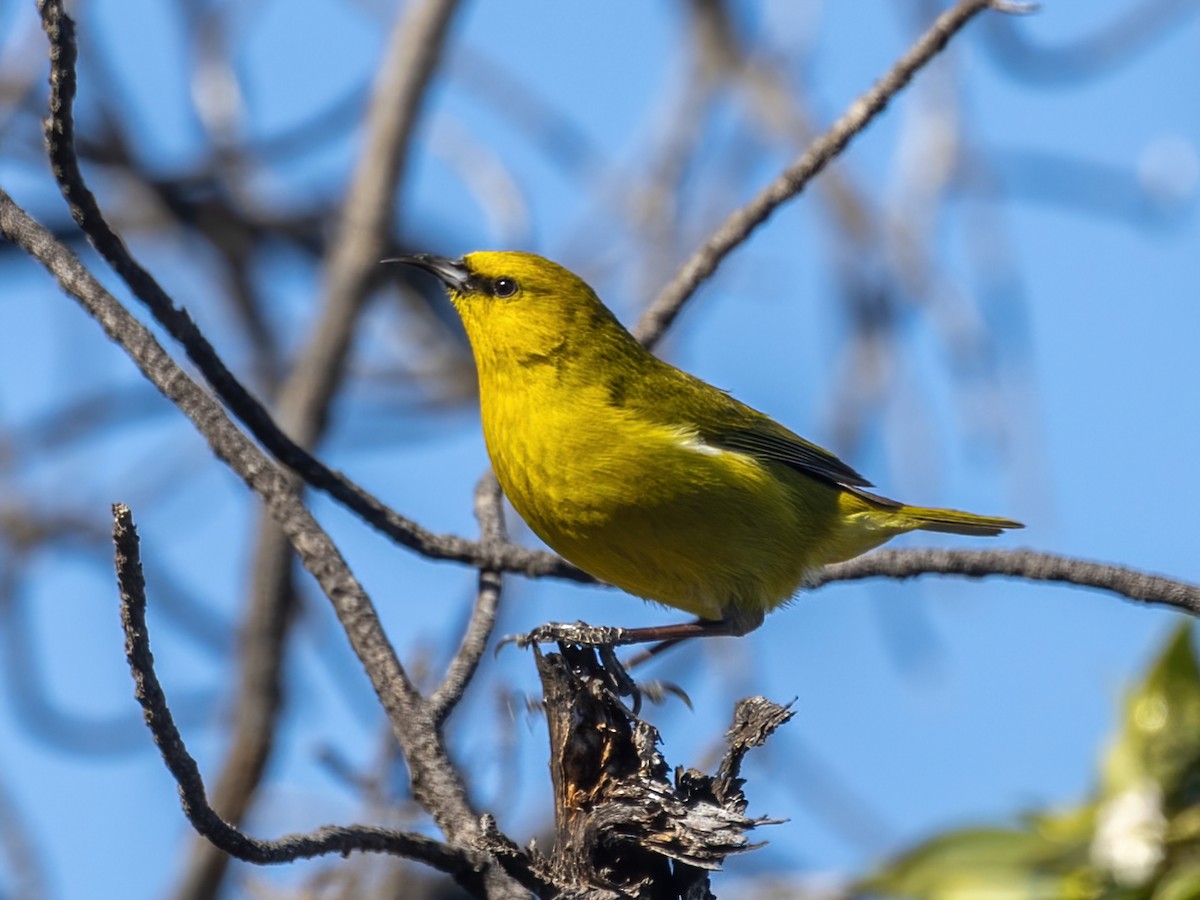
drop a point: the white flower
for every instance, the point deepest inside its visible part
(1130, 829)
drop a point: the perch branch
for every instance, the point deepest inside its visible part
(1031, 565)
(620, 823)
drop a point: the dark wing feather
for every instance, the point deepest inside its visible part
(677, 398)
(785, 447)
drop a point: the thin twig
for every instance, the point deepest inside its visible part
(735, 229)
(1028, 564)
(489, 510)
(464, 865)
(259, 690)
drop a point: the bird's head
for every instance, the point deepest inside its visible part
(521, 308)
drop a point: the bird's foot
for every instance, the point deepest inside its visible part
(589, 649)
(600, 664)
(580, 634)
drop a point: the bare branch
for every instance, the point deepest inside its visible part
(1029, 564)
(240, 402)
(666, 306)
(462, 864)
(303, 408)
(436, 785)
(259, 697)
(489, 510)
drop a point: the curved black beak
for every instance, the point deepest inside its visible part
(452, 272)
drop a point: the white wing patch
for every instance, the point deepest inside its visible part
(689, 440)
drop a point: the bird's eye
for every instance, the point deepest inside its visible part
(504, 287)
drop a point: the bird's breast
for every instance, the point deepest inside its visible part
(648, 507)
(568, 463)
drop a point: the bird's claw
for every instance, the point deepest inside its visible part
(657, 691)
(619, 683)
(602, 639)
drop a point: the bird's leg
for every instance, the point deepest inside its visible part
(734, 623)
(644, 656)
(586, 635)
(577, 637)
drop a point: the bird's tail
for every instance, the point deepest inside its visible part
(869, 520)
(899, 517)
(952, 521)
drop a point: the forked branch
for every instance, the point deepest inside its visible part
(465, 866)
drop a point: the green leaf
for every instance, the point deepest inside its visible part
(1001, 864)
(1159, 737)
(1180, 883)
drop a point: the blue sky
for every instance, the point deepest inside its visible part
(919, 706)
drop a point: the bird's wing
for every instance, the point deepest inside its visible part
(728, 424)
(768, 440)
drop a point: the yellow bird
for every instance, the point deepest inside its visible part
(645, 476)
